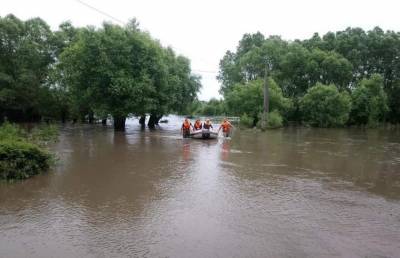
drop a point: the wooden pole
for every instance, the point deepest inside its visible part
(266, 100)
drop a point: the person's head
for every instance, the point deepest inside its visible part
(207, 120)
(225, 119)
(197, 120)
(186, 119)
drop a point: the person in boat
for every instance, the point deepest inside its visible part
(185, 129)
(226, 127)
(197, 125)
(207, 126)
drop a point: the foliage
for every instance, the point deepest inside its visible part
(325, 106)
(83, 73)
(246, 121)
(25, 56)
(9, 131)
(343, 58)
(274, 120)
(21, 153)
(20, 159)
(248, 98)
(123, 71)
(213, 107)
(369, 102)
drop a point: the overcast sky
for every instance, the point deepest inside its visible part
(204, 30)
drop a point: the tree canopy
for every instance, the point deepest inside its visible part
(87, 73)
(344, 59)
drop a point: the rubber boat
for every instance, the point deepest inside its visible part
(204, 134)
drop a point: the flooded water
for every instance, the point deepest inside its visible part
(294, 192)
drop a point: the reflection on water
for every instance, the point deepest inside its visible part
(294, 192)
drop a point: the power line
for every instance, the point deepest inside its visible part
(123, 23)
(204, 71)
(101, 12)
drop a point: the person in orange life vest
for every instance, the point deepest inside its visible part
(197, 125)
(226, 127)
(207, 125)
(185, 129)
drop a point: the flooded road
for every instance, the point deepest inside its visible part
(294, 192)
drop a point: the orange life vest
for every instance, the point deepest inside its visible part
(186, 125)
(225, 127)
(197, 125)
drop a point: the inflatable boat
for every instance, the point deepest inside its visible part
(204, 134)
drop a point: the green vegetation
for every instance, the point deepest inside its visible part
(22, 154)
(246, 121)
(325, 106)
(274, 120)
(88, 74)
(369, 102)
(248, 98)
(85, 74)
(362, 64)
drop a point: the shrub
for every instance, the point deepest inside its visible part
(20, 160)
(43, 134)
(369, 102)
(249, 98)
(274, 120)
(11, 132)
(325, 106)
(21, 154)
(246, 121)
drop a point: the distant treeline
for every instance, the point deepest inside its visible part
(350, 77)
(83, 74)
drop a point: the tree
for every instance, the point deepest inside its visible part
(325, 106)
(369, 102)
(123, 72)
(25, 55)
(248, 99)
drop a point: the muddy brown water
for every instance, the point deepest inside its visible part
(293, 192)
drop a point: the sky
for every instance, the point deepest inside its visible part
(204, 30)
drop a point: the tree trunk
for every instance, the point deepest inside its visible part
(142, 120)
(158, 118)
(63, 118)
(119, 123)
(104, 121)
(91, 117)
(152, 121)
(266, 101)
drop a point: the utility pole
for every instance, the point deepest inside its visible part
(264, 118)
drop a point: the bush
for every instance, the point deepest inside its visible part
(20, 160)
(249, 98)
(274, 120)
(43, 134)
(325, 106)
(246, 121)
(11, 132)
(21, 154)
(369, 102)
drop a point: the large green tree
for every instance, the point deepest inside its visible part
(325, 106)
(369, 102)
(248, 99)
(25, 56)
